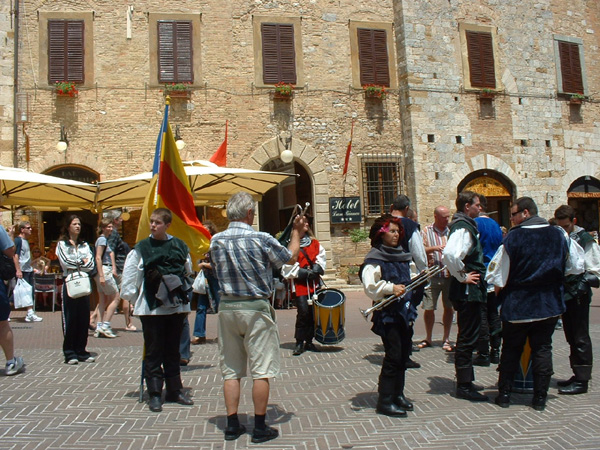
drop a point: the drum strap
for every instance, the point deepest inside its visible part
(307, 257)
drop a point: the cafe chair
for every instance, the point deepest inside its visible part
(46, 284)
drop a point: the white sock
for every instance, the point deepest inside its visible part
(30, 312)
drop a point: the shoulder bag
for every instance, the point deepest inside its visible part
(78, 284)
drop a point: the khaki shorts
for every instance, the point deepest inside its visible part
(436, 287)
(110, 285)
(248, 336)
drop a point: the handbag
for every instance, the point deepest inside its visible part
(23, 294)
(78, 284)
(199, 286)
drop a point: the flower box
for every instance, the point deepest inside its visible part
(65, 89)
(178, 90)
(487, 93)
(284, 91)
(374, 91)
(576, 99)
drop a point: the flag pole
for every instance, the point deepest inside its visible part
(347, 160)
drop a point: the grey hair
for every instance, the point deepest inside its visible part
(238, 206)
(111, 214)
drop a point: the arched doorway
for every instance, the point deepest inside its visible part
(583, 195)
(278, 203)
(52, 221)
(498, 190)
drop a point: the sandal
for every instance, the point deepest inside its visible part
(424, 344)
(448, 347)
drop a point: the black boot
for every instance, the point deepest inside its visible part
(576, 387)
(541, 383)
(402, 402)
(495, 355)
(565, 383)
(468, 392)
(298, 349)
(155, 386)
(481, 359)
(505, 382)
(387, 407)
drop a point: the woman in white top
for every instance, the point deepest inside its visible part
(75, 254)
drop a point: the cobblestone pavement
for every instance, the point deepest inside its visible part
(321, 400)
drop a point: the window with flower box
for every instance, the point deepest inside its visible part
(278, 51)
(66, 48)
(372, 54)
(174, 53)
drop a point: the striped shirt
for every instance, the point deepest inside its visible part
(243, 261)
(432, 237)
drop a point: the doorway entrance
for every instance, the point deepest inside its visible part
(498, 190)
(278, 203)
(583, 195)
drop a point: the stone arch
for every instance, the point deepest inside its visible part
(80, 159)
(315, 166)
(581, 169)
(486, 161)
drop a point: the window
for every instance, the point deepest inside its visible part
(372, 54)
(278, 54)
(481, 59)
(373, 57)
(570, 65)
(381, 183)
(66, 47)
(277, 51)
(175, 51)
(478, 53)
(174, 55)
(65, 51)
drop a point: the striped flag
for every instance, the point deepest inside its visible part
(220, 156)
(170, 188)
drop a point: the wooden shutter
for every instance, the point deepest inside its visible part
(373, 57)
(175, 52)
(66, 52)
(279, 53)
(481, 59)
(570, 68)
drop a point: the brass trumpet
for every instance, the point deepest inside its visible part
(417, 281)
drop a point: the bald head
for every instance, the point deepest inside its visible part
(441, 217)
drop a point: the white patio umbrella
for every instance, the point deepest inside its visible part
(210, 184)
(18, 187)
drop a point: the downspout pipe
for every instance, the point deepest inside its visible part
(16, 86)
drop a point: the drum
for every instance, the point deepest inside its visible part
(330, 316)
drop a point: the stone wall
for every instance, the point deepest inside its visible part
(527, 109)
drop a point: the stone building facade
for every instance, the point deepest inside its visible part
(432, 135)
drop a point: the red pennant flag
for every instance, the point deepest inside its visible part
(220, 156)
(348, 150)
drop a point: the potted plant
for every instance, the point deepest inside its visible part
(374, 91)
(65, 89)
(576, 99)
(181, 90)
(487, 93)
(352, 272)
(284, 90)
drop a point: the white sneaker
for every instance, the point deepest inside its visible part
(33, 318)
(15, 367)
(72, 362)
(90, 359)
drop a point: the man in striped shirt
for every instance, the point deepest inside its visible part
(435, 237)
(243, 261)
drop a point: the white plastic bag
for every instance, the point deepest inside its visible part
(23, 294)
(199, 286)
